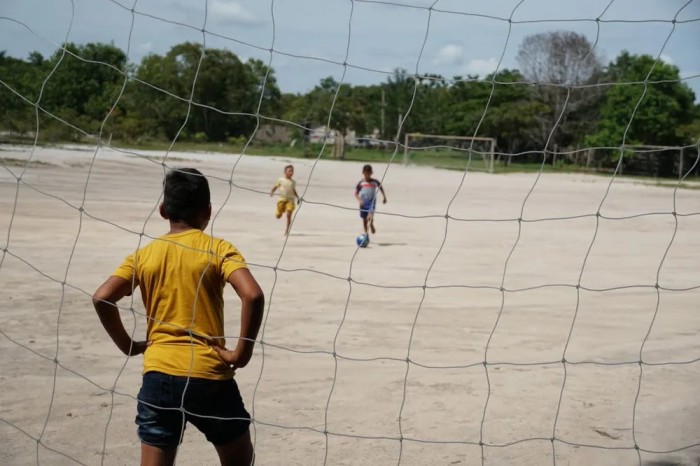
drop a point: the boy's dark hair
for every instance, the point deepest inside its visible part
(288, 166)
(185, 195)
(367, 168)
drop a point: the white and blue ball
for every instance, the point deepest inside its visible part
(362, 240)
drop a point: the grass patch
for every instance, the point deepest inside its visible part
(667, 184)
(444, 159)
(12, 162)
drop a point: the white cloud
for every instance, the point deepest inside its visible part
(454, 55)
(144, 48)
(480, 66)
(667, 59)
(450, 54)
(227, 12)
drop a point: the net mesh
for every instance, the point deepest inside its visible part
(528, 319)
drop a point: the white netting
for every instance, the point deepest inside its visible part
(495, 319)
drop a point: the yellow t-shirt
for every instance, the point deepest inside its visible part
(182, 278)
(286, 188)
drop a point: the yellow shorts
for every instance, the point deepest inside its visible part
(284, 205)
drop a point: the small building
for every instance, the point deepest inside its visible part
(317, 135)
(273, 134)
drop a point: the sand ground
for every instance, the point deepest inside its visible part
(446, 294)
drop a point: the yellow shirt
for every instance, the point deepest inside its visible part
(182, 278)
(286, 187)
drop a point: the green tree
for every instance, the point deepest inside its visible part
(224, 96)
(23, 78)
(665, 103)
(514, 116)
(399, 89)
(157, 99)
(327, 100)
(294, 109)
(562, 65)
(271, 104)
(428, 114)
(468, 100)
(689, 133)
(500, 106)
(646, 104)
(85, 84)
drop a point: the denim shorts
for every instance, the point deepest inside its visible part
(214, 407)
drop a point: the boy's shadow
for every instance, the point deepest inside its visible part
(305, 234)
(387, 244)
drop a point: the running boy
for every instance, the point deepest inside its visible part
(366, 194)
(287, 195)
(187, 371)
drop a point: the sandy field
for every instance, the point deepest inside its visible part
(461, 336)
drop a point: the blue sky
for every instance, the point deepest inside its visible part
(463, 36)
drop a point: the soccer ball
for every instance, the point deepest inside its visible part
(362, 241)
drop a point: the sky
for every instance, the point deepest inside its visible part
(307, 40)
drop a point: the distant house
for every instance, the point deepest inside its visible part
(365, 140)
(316, 136)
(273, 134)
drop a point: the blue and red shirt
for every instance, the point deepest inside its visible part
(367, 190)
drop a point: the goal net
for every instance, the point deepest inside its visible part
(661, 162)
(529, 297)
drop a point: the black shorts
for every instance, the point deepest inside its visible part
(214, 407)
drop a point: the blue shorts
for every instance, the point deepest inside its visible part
(367, 208)
(214, 407)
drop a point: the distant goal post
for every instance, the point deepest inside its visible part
(452, 150)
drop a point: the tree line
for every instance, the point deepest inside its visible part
(561, 98)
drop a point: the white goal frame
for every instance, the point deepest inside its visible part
(490, 155)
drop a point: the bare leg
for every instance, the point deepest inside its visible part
(157, 456)
(371, 223)
(238, 452)
(289, 222)
(364, 224)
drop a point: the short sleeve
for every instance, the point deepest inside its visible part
(357, 188)
(126, 270)
(231, 259)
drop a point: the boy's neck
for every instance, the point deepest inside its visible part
(181, 227)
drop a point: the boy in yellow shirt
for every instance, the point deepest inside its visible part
(187, 371)
(287, 195)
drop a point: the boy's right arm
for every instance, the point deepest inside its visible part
(105, 302)
(252, 310)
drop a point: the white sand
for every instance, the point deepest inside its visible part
(368, 397)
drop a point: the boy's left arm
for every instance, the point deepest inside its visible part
(105, 301)
(381, 188)
(252, 310)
